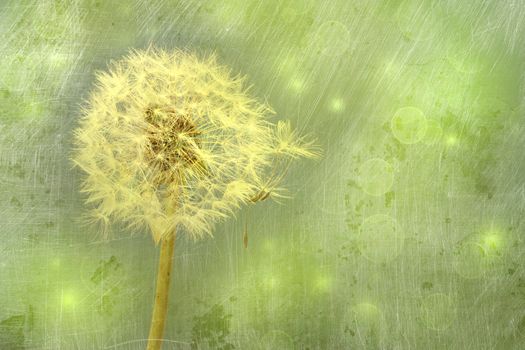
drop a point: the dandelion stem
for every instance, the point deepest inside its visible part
(160, 308)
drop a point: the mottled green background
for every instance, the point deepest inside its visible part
(408, 234)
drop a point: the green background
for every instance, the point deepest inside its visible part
(407, 234)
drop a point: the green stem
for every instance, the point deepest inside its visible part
(158, 320)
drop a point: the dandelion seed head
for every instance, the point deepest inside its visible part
(168, 140)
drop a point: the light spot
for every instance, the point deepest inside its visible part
(380, 238)
(68, 299)
(391, 68)
(287, 65)
(270, 282)
(55, 263)
(478, 256)
(492, 243)
(227, 13)
(438, 311)
(366, 317)
(366, 312)
(336, 104)
(268, 245)
(332, 39)
(59, 60)
(409, 125)
(469, 260)
(376, 176)
(323, 283)
(451, 140)
(297, 85)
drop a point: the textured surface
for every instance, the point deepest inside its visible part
(408, 234)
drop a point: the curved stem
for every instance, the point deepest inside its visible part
(158, 319)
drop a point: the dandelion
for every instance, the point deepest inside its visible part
(171, 142)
